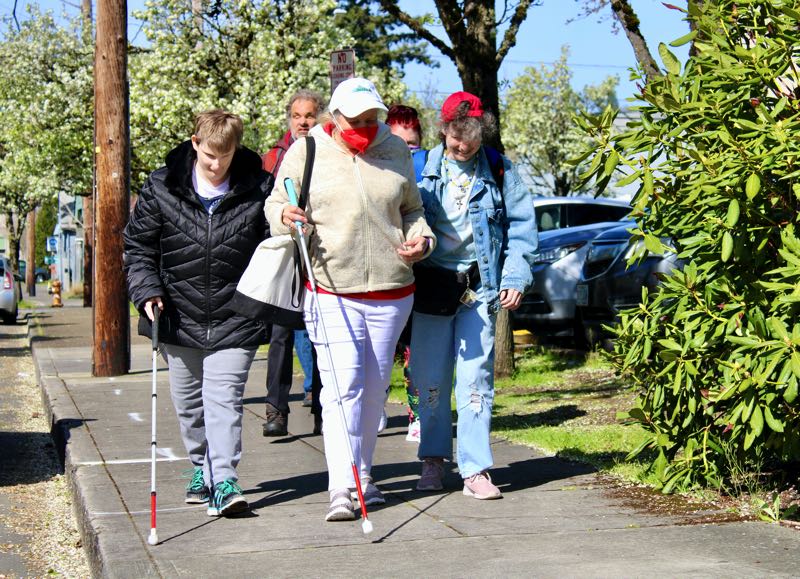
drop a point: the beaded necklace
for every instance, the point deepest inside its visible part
(460, 185)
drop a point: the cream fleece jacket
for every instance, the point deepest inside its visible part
(362, 210)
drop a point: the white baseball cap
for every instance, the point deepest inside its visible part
(355, 96)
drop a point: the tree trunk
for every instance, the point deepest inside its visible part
(503, 346)
(111, 354)
(13, 241)
(630, 24)
(30, 273)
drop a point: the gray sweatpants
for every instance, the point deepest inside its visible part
(207, 388)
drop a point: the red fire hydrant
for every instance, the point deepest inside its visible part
(56, 294)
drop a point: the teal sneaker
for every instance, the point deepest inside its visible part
(196, 491)
(227, 500)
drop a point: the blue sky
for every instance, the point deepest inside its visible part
(595, 52)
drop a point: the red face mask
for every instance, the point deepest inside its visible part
(360, 138)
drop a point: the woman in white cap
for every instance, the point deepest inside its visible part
(367, 227)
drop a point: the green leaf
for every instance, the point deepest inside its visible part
(629, 179)
(774, 424)
(647, 182)
(671, 62)
(757, 420)
(611, 163)
(732, 217)
(753, 186)
(686, 38)
(796, 364)
(727, 247)
(790, 393)
(653, 244)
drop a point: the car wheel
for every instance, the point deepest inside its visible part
(9, 319)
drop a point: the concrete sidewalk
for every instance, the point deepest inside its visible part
(556, 519)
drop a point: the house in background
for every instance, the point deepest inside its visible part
(68, 266)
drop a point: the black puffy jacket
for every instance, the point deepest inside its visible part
(175, 249)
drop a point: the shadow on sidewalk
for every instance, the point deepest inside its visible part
(60, 433)
(289, 489)
(27, 458)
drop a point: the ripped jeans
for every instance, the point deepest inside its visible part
(440, 344)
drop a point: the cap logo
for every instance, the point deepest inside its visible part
(362, 89)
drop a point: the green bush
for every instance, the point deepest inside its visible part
(715, 353)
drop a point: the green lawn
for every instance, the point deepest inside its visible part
(562, 402)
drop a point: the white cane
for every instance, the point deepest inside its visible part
(153, 538)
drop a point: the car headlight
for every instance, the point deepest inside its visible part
(606, 252)
(553, 254)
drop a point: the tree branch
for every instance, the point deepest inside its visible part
(629, 21)
(414, 24)
(510, 37)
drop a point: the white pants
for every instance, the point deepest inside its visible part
(362, 336)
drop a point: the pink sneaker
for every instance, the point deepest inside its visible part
(413, 432)
(479, 486)
(432, 475)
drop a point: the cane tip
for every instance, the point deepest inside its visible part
(153, 538)
(366, 526)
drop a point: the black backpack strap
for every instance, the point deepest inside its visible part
(310, 150)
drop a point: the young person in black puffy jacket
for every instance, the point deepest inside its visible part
(190, 237)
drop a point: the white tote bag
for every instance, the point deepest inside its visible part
(272, 286)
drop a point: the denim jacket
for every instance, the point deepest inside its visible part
(503, 224)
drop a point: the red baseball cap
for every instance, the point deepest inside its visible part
(451, 104)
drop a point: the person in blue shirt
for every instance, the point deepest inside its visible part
(483, 217)
(404, 122)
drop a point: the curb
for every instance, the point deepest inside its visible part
(67, 429)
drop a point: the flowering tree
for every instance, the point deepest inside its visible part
(45, 117)
(538, 127)
(245, 56)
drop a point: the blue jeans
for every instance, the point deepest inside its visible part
(463, 342)
(302, 345)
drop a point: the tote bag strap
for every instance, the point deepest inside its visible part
(310, 150)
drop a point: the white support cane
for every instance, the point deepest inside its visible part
(366, 524)
(153, 538)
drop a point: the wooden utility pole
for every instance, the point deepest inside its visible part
(30, 272)
(111, 354)
(88, 200)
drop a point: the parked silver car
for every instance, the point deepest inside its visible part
(566, 225)
(9, 292)
(549, 306)
(608, 284)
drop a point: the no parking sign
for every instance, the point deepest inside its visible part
(343, 66)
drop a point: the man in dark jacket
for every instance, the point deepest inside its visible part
(195, 226)
(301, 116)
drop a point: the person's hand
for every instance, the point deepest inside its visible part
(292, 214)
(149, 304)
(510, 299)
(414, 249)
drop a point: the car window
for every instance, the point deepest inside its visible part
(548, 217)
(594, 213)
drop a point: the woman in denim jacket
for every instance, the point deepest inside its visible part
(483, 217)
